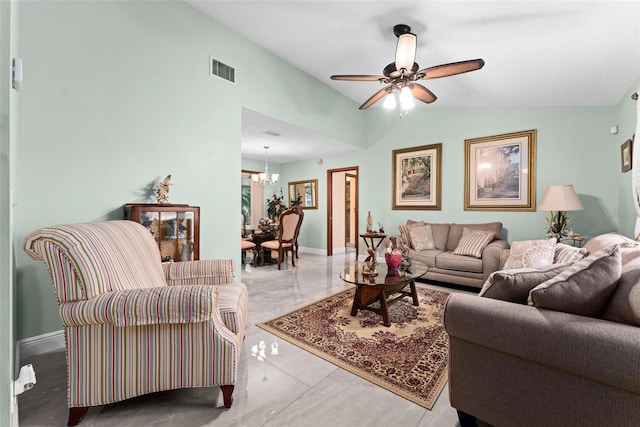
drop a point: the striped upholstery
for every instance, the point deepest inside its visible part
(157, 358)
(234, 308)
(107, 256)
(127, 331)
(136, 307)
(202, 272)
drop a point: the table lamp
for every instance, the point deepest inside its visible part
(559, 199)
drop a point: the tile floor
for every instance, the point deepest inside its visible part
(292, 388)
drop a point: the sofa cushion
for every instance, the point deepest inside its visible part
(624, 305)
(421, 238)
(449, 261)
(607, 239)
(473, 242)
(427, 257)
(515, 285)
(566, 253)
(531, 254)
(405, 229)
(440, 233)
(583, 288)
(455, 232)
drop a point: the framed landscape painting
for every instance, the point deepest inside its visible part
(500, 172)
(625, 155)
(417, 177)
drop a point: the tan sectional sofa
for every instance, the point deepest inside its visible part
(521, 365)
(444, 266)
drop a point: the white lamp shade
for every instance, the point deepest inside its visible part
(405, 51)
(560, 198)
(390, 101)
(406, 98)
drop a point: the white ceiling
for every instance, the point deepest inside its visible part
(537, 53)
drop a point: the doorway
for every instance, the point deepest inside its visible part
(252, 200)
(342, 210)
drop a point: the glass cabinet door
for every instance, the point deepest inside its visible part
(175, 228)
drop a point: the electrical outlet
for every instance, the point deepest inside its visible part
(26, 380)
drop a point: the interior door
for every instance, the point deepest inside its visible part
(342, 210)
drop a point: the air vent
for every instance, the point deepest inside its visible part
(223, 71)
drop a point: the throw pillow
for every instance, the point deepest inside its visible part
(566, 253)
(531, 254)
(601, 241)
(584, 287)
(404, 231)
(421, 238)
(473, 242)
(515, 285)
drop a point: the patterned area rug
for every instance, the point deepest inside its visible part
(410, 358)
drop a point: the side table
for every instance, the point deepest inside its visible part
(372, 237)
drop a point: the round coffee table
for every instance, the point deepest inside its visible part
(386, 287)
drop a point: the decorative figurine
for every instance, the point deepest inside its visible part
(162, 192)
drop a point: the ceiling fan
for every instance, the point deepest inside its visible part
(402, 74)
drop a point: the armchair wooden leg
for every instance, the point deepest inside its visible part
(227, 394)
(76, 415)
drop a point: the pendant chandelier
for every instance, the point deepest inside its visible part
(265, 177)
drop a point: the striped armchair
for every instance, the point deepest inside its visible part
(134, 325)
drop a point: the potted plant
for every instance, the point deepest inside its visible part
(557, 225)
(275, 206)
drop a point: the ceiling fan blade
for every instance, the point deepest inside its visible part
(358, 78)
(406, 51)
(454, 68)
(422, 93)
(375, 98)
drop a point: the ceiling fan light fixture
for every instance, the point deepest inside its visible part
(390, 101)
(406, 98)
(406, 51)
(401, 76)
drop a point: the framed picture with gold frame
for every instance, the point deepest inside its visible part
(626, 160)
(417, 177)
(499, 172)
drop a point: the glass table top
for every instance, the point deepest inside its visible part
(354, 273)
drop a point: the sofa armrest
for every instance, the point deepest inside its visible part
(492, 257)
(601, 350)
(199, 272)
(146, 306)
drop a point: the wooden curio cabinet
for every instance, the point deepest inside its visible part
(176, 228)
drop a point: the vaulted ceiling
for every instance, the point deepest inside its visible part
(537, 53)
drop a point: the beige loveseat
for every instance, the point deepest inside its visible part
(515, 364)
(444, 265)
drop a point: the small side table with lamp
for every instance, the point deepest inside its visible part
(559, 199)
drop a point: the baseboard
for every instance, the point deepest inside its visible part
(312, 251)
(40, 344)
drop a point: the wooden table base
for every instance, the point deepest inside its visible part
(369, 294)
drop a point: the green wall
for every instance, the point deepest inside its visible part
(574, 146)
(117, 95)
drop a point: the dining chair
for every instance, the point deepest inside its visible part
(245, 245)
(290, 221)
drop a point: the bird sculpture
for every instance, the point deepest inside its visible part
(162, 192)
